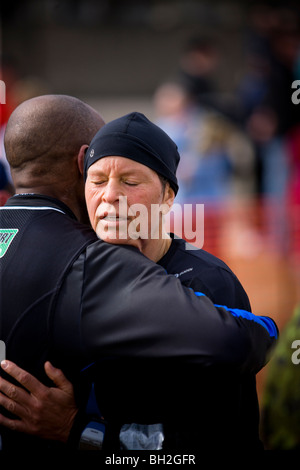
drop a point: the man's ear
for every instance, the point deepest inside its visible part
(80, 157)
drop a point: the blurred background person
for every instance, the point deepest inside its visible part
(198, 65)
(217, 157)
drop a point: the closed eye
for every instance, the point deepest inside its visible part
(98, 182)
(131, 183)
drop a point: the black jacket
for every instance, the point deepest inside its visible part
(204, 272)
(70, 298)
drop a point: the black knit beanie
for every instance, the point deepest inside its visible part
(134, 136)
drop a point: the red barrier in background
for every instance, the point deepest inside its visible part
(246, 227)
(4, 195)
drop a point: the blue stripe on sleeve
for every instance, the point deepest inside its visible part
(266, 322)
(199, 294)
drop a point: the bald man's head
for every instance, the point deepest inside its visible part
(44, 132)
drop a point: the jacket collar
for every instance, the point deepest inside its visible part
(39, 200)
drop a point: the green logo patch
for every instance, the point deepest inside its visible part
(6, 237)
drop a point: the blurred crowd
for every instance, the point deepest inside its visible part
(245, 147)
(238, 149)
(244, 138)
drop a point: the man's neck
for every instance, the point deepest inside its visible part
(78, 209)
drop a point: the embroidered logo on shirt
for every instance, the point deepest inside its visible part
(2, 350)
(183, 272)
(6, 237)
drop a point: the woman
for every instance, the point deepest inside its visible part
(130, 172)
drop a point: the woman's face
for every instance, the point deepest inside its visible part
(124, 199)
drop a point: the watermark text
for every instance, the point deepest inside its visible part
(296, 93)
(141, 222)
(2, 350)
(2, 92)
(296, 354)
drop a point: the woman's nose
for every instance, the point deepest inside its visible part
(112, 192)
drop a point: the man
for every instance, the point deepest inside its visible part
(95, 301)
